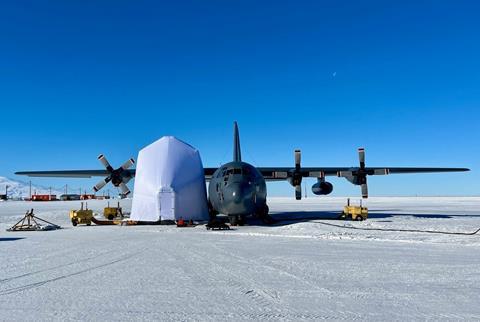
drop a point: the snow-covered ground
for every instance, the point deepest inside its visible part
(294, 270)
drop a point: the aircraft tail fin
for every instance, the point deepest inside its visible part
(237, 154)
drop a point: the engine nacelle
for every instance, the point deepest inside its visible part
(322, 188)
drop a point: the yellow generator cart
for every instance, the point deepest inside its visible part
(357, 213)
(113, 212)
(82, 216)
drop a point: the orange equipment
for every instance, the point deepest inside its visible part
(181, 223)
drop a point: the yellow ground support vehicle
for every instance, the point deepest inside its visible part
(82, 216)
(357, 213)
(112, 212)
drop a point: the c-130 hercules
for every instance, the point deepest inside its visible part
(238, 189)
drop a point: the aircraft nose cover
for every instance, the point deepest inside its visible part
(169, 173)
(235, 192)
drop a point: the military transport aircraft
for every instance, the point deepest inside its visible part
(238, 189)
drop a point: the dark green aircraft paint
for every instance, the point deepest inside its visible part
(238, 189)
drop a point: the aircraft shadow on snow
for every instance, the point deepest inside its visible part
(2, 239)
(293, 217)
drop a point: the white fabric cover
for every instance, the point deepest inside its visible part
(169, 165)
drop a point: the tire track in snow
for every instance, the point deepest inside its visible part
(55, 279)
(256, 292)
(202, 261)
(196, 263)
(286, 313)
(54, 267)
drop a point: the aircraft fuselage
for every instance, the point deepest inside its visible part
(238, 189)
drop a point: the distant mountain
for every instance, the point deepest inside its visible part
(18, 189)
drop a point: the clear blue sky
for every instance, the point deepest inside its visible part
(402, 79)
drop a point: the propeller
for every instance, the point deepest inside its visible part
(363, 177)
(119, 177)
(296, 176)
(358, 176)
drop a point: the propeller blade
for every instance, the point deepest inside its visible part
(128, 164)
(364, 191)
(361, 157)
(101, 184)
(123, 187)
(298, 159)
(298, 192)
(105, 162)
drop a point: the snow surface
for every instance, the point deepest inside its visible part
(294, 270)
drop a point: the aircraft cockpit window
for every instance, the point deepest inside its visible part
(234, 171)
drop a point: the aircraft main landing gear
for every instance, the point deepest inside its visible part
(265, 217)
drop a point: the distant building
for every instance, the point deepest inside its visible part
(5, 196)
(87, 197)
(67, 197)
(44, 197)
(102, 197)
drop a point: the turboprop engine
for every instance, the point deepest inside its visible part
(119, 177)
(322, 188)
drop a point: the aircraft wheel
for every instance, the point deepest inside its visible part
(241, 220)
(268, 220)
(262, 212)
(211, 211)
(233, 220)
(212, 214)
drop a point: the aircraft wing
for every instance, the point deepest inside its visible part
(283, 173)
(67, 173)
(421, 170)
(88, 173)
(270, 173)
(209, 173)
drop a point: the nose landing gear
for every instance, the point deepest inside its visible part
(237, 220)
